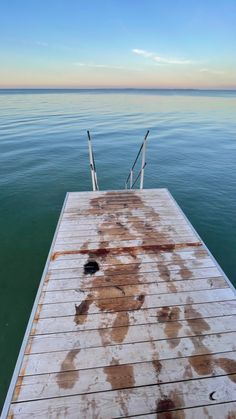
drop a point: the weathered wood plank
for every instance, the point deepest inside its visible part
(160, 192)
(136, 214)
(125, 354)
(110, 197)
(125, 237)
(74, 233)
(35, 387)
(142, 400)
(159, 225)
(149, 256)
(97, 293)
(112, 290)
(152, 266)
(151, 205)
(131, 278)
(79, 197)
(123, 226)
(136, 317)
(129, 334)
(130, 303)
(118, 216)
(125, 245)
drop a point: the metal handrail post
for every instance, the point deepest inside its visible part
(143, 164)
(96, 180)
(91, 162)
(131, 179)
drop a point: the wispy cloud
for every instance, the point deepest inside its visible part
(158, 59)
(171, 61)
(211, 71)
(143, 52)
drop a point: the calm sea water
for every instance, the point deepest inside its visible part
(43, 154)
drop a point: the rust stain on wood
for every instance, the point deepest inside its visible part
(18, 388)
(167, 403)
(120, 376)
(167, 314)
(164, 272)
(172, 327)
(82, 309)
(124, 304)
(103, 251)
(198, 326)
(110, 272)
(157, 367)
(205, 365)
(118, 334)
(70, 374)
(202, 365)
(229, 366)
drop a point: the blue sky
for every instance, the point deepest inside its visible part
(118, 43)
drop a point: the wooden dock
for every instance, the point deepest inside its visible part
(133, 317)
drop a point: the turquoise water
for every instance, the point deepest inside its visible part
(43, 154)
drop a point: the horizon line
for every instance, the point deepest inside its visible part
(121, 88)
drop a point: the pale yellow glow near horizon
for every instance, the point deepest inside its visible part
(164, 77)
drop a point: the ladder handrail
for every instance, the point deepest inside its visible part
(92, 164)
(130, 176)
(138, 175)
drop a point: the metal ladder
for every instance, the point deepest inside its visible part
(129, 184)
(129, 180)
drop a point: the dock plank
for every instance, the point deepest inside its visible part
(146, 266)
(125, 354)
(133, 278)
(35, 387)
(135, 317)
(98, 293)
(112, 290)
(132, 334)
(142, 400)
(131, 303)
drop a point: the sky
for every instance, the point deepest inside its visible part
(118, 44)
